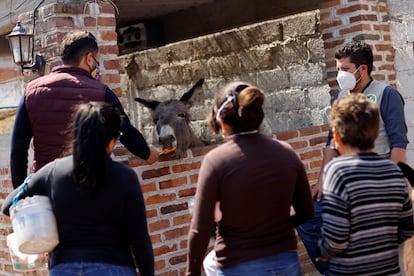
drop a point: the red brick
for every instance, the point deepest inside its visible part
(315, 164)
(110, 78)
(182, 219)
(164, 249)
(389, 67)
(331, 24)
(149, 187)
(107, 8)
(108, 49)
(111, 64)
(183, 244)
(310, 154)
(171, 183)
(106, 21)
(377, 8)
(327, 35)
(329, 4)
(176, 233)
(64, 22)
(200, 151)
(152, 213)
(135, 162)
(89, 21)
(155, 238)
(287, 135)
(309, 131)
(351, 9)
(324, 15)
(318, 140)
(325, 128)
(384, 28)
(384, 47)
(110, 36)
(363, 17)
(155, 173)
(299, 145)
(193, 178)
(313, 176)
(117, 91)
(187, 192)
(354, 29)
(158, 265)
(178, 259)
(160, 198)
(159, 225)
(4, 171)
(186, 167)
(7, 75)
(173, 208)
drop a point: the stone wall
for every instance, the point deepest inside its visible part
(402, 38)
(284, 57)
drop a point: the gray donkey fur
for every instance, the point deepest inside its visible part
(172, 120)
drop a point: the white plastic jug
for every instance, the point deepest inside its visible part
(34, 225)
(24, 262)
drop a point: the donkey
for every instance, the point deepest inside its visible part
(172, 120)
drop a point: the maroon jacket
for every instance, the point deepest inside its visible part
(50, 102)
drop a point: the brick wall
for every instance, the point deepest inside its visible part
(168, 186)
(367, 20)
(55, 20)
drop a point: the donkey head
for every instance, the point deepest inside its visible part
(172, 120)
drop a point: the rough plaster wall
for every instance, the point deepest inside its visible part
(402, 37)
(285, 57)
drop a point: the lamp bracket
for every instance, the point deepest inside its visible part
(38, 66)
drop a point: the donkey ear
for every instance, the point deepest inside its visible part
(148, 103)
(187, 95)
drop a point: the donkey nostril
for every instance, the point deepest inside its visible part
(166, 139)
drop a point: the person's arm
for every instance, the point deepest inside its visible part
(202, 223)
(36, 185)
(136, 221)
(20, 142)
(130, 137)
(392, 113)
(302, 199)
(328, 154)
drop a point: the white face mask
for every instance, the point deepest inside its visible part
(346, 80)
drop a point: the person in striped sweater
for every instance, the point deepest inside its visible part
(366, 211)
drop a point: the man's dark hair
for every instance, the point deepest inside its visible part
(359, 53)
(77, 44)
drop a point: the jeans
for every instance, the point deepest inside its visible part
(91, 269)
(282, 264)
(310, 233)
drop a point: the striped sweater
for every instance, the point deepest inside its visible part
(366, 213)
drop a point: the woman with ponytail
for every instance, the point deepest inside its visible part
(256, 180)
(97, 202)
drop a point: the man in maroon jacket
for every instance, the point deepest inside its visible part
(46, 108)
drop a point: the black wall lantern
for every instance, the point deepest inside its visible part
(22, 48)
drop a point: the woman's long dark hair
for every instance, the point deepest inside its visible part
(95, 125)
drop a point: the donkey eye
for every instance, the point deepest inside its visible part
(181, 115)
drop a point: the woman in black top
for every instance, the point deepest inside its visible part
(98, 203)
